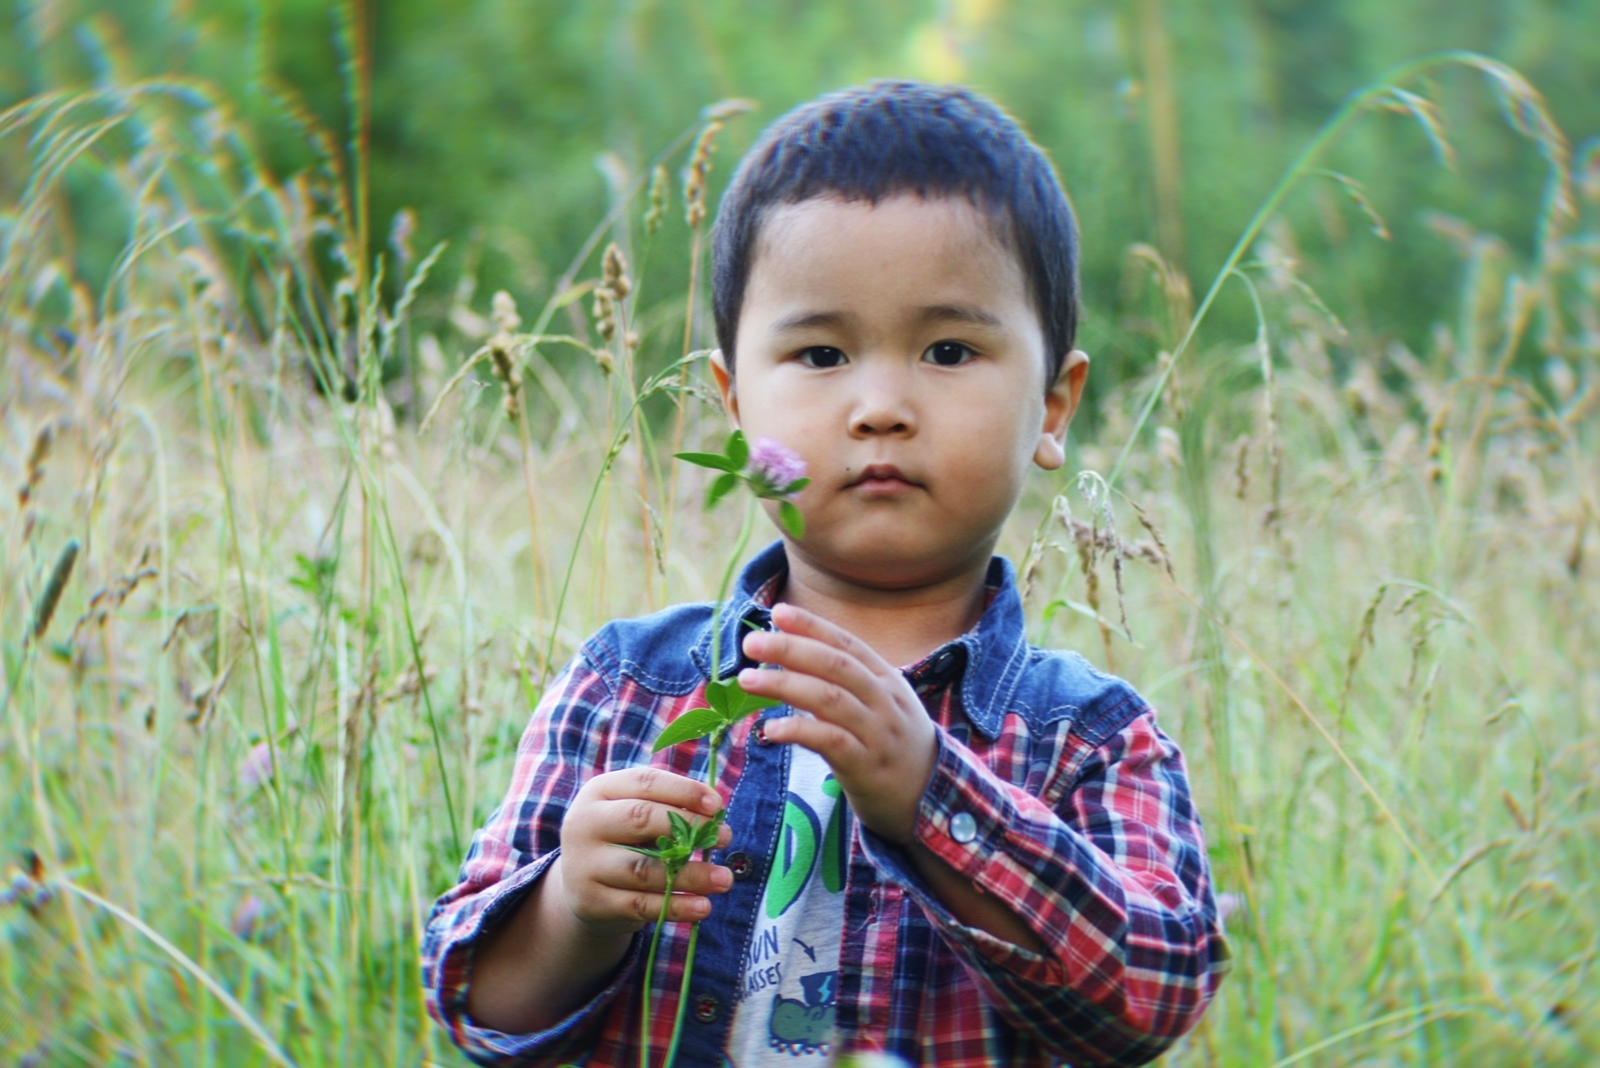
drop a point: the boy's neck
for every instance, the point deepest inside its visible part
(902, 624)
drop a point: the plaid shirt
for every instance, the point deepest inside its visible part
(1054, 791)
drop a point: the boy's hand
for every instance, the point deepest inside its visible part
(869, 726)
(606, 886)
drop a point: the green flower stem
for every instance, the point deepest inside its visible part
(711, 761)
(711, 776)
(683, 991)
(649, 975)
(722, 593)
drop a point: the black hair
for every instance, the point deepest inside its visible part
(878, 140)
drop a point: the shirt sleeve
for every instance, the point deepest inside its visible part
(561, 749)
(1112, 878)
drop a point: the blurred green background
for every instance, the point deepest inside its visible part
(1304, 484)
(1170, 120)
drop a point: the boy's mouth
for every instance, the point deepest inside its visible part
(881, 478)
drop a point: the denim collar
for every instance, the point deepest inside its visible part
(996, 649)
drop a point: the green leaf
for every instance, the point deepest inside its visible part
(695, 723)
(712, 460)
(723, 486)
(681, 832)
(789, 517)
(754, 703)
(729, 699)
(796, 486)
(705, 833)
(717, 698)
(738, 450)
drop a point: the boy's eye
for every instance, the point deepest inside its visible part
(822, 356)
(948, 353)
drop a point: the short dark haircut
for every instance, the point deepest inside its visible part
(886, 138)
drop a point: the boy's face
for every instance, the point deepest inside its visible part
(894, 346)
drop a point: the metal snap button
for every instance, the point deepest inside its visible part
(760, 733)
(706, 1009)
(963, 828)
(741, 865)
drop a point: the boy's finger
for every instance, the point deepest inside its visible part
(825, 700)
(633, 821)
(622, 869)
(659, 785)
(644, 907)
(810, 656)
(699, 877)
(798, 621)
(828, 740)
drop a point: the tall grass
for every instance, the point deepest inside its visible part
(289, 664)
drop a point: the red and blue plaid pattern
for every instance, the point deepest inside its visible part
(1083, 826)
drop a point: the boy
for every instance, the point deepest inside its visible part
(987, 857)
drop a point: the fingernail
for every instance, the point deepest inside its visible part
(711, 804)
(721, 878)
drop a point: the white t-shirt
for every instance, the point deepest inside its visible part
(785, 1013)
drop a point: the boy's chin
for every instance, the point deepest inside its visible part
(881, 560)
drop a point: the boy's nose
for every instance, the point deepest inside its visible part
(883, 407)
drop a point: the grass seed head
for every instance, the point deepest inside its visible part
(502, 351)
(659, 181)
(504, 313)
(614, 285)
(36, 458)
(1241, 466)
(694, 183)
(52, 589)
(614, 272)
(605, 313)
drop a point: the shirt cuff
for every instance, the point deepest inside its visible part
(963, 819)
(485, 1045)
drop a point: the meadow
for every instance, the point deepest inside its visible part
(286, 564)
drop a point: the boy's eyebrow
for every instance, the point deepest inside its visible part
(960, 313)
(932, 313)
(805, 320)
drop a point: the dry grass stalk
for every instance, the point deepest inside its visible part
(503, 352)
(1364, 641)
(694, 183)
(608, 308)
(1155, 553)
(1098, 540)
(203, 702)
(1435, 451)
(1241, 467)
(659, 181)
(34, 470)
(109, 598)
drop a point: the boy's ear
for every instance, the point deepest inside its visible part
(724, 377)
(1060, 404)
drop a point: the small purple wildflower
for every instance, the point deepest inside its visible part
(776, 466)
(247, 917)
(257, 767)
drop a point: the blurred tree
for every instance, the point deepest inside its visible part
(1169, 119)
